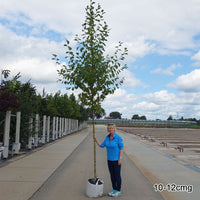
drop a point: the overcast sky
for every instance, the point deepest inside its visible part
(162, 36)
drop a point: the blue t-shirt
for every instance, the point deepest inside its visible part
(113, 146)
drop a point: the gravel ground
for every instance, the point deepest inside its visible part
(181, 143)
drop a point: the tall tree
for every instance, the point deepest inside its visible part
(170, 117)
(136, 116)
(87, 67)
(8, 100)
(115, 115)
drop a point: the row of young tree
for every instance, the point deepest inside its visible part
(18, 96)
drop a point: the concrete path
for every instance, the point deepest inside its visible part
(60, 171)
(21, 178)
(70, 180)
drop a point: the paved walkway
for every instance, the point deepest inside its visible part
(70, 179)
(60, 171)
(20, 179)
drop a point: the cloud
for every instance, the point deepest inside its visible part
(28, 39)
(160, 97)
(58, 16)
(155, 105)
(120, 101)
(196, 58)
(38, 71)
(14, 47)
(189, 99)
(167, 71)
(120, 97)
(130, 79)
(169, 24)
(139, 20)
(161, 104)
(165, 98)
(144, 107)
(139, 47)
(29, 56)
(188, 82)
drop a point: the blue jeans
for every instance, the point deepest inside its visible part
(115, 174)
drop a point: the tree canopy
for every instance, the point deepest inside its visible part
(87, 67)
(115, 115)
(136, 116)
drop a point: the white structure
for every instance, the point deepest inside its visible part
(6, 134)
(44, 129)
(57, 127)
(48, 128)
(54, 129)
(17, 144)
(30, 139)
(36, 130)
(60, 127)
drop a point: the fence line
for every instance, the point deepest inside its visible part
(51, 130)
(128, 122)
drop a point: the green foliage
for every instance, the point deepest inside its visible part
(84, 113)
(97, 115)
(115, 115)
(86, 66)
(7, 99)
(25, 94)
(188, 119)
(143, 117)
(170, 118)
(5, 74)
(62, 105)
(136, 116)
(26, 100)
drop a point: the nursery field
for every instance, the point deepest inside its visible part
(180, 143)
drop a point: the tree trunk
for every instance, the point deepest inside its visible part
(95, 172)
